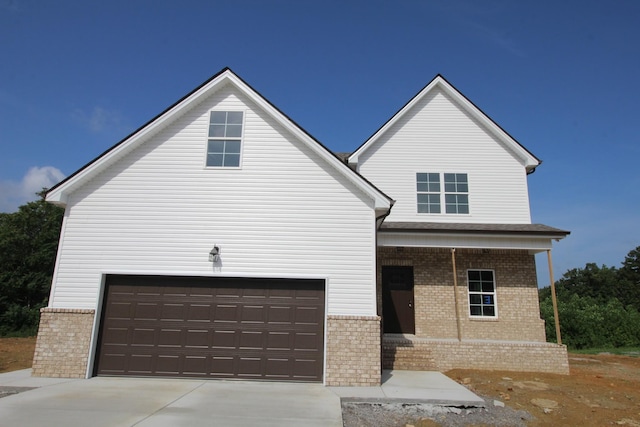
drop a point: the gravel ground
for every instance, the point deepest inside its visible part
(8, 391)
(361, 414)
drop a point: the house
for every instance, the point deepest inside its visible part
(221, 240)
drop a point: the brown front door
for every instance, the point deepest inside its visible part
(212, 327)
(397, 300)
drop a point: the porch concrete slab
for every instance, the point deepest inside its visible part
(413, 387)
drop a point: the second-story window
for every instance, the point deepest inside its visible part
(225, 139)
(454, 195)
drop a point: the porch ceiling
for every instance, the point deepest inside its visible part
(532, 237)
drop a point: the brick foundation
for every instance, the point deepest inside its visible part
(62, 347)
(443, 355)
(353, 351)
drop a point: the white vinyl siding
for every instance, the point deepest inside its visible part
(285, 213)
(437, 135)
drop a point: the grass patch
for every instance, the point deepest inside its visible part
(623, 351)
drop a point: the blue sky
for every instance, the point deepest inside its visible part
(562, 77)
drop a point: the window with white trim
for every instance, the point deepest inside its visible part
(455, 196)
(482, 293)
(428, 185)
(224, 144)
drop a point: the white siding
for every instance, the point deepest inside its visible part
(284, 213)
(437, 135)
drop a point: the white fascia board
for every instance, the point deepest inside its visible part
(528, 160)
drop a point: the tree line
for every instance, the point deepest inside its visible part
(598, 306)
(28, 245)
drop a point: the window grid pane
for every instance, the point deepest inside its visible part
(456, 189)
(428, 188)
(482, 293)
(225, 139)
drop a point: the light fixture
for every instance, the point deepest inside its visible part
(214, 255)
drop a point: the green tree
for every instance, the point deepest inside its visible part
(591, 281)
(28, 246)
(629, 279)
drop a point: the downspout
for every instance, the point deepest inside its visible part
(455, 292)
(554, 299)
(380, 219)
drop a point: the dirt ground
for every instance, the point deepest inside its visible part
(601, 390)
(16, 353)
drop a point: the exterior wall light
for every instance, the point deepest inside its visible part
(214, 255)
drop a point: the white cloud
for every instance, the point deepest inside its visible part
(13, 194)
(98, 119)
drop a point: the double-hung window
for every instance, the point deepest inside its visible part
(456, 193)
(428, 192)
(225, 139)
(432, 195)
(482, 293)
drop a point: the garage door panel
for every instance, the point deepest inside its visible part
(226, 313)
(168, 365)
(279, 314)
(147, 311)
(195, 365)
(212, 328)
(120, 310)
(169, 337)
(252, 314)
(305, 342)
(173, 312)
(308, 315)
(143, 337)
(197, 338)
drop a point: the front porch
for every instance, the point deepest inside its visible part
(464, 297)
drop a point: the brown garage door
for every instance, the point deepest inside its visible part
(203, 327)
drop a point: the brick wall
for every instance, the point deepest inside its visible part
(353, 351)
(435, 314)
(443, 355)
(62, 347)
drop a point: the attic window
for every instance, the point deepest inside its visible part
(225, 139)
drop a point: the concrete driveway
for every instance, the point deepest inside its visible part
(154, 402)
(145, 402)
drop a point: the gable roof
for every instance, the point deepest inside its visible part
(59, 193)
(439, 82)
